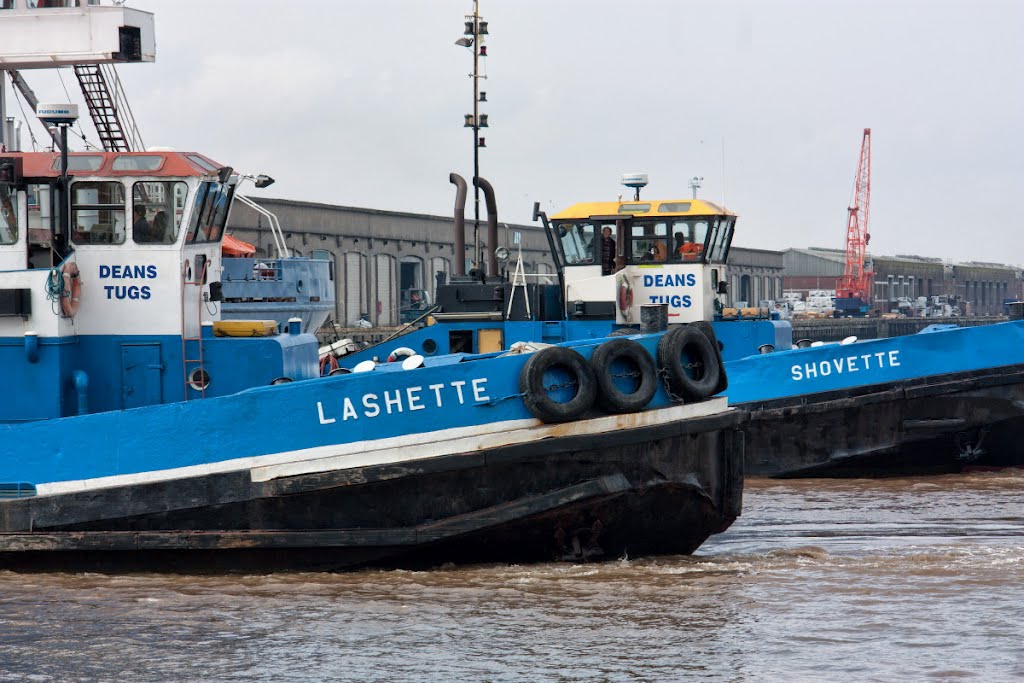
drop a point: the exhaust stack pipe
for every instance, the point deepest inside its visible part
(492, 225)
(459, 265)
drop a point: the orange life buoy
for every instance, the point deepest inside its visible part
(625, 297)
(400, 352)
(70, 300)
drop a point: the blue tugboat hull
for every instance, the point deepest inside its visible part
(399, 467)
(938, 401)
(599, 489)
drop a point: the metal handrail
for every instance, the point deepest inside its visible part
(275, 226)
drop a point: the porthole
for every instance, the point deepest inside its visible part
(199, 379)
(429, 347)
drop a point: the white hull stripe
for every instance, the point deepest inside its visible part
(407, 448)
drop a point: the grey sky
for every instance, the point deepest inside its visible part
(361, 103)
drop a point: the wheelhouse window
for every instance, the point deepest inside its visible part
(97, 213)
(648, 242)
(720, 240)
(157, 208)
(689, 239)
(634, 208)
(80, 162)
(149, 162)
(8, 215)
(202, 163)
(209, 212)
(577, 243)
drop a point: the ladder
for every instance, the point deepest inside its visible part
(108, 108)
(195, 375)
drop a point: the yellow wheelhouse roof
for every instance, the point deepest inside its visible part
(655, 208)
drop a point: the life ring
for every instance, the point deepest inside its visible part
(537, 385)
(626, 377)
(624, 297)
(689, 364)
(71, 298)
(399, 353)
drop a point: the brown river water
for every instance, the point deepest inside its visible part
(850, 580)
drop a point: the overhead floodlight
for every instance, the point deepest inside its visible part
(464, 42)
(263, 181)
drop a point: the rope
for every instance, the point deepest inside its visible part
(55, 289)
(328, 364)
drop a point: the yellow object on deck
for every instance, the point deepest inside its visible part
(489, 340)
(245, 328)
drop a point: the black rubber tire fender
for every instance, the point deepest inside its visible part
(625, 332)
(535, 394)
(709, 332)
(678, 351)
(609, 396)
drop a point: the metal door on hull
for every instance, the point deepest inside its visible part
(141, 371)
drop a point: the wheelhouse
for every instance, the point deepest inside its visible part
(674, 231)
(116, 200)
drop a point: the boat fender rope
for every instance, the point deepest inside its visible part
(536, 387)
(623, 359)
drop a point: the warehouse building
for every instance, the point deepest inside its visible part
(381, 257)
(976, 288)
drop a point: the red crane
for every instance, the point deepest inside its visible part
(853, 289)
